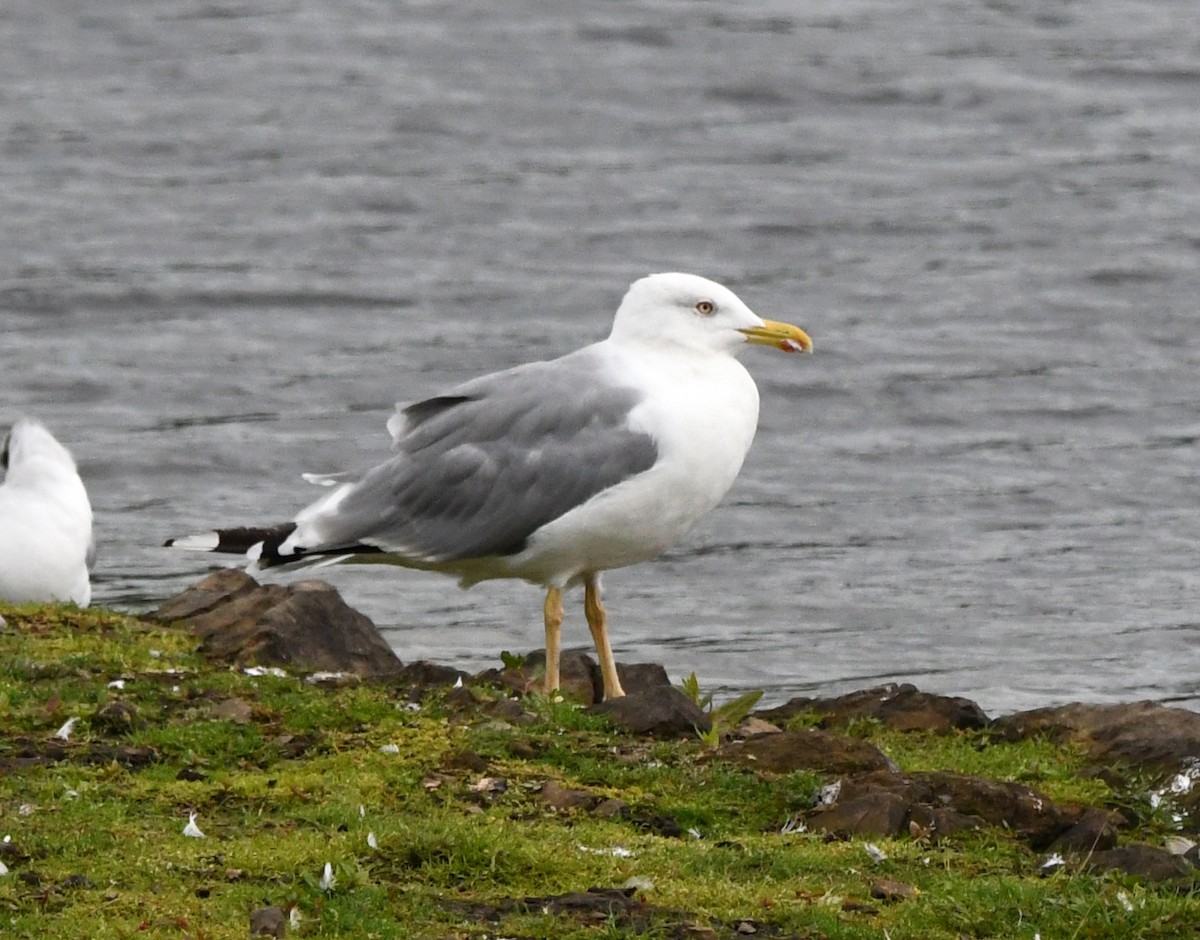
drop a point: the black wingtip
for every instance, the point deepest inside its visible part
(234, 541)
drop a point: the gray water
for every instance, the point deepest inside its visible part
(235, 233)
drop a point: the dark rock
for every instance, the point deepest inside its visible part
(1095, 832)
(1030, 815)
(292, 746)
(881, 813)
(333, 680)
(578, 676)
(1141, 734)
(888, 889)
(12, 854)
(465, 760)
(305, 626)
(423, 674)
(268, 922)
(219, 589)
(593, 904)
(575, 682)
(936, 822)
(596, 905)
(658, 710)
(554, 794)
(29, 754)
(611, 808)
(806, 749)
(637, 677)
(116, 717)
(461, 699)
(661, 824)
(485, 790)
(1143, 861)
(237, 710)
(903, 707)
(510, 710)
(753, 726)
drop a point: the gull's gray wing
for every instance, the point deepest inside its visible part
(481, 468)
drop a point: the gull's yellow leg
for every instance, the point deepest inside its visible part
(598, 624)
(554, 618)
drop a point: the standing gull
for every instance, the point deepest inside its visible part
(46, 543)
(555, 471)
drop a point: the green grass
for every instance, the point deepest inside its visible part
(97, 847)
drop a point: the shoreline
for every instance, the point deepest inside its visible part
(475, 809)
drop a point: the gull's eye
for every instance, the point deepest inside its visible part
(706, 308)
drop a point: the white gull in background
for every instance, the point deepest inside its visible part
(553, 472)
(46, 543)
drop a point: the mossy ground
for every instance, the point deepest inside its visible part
(285, 777)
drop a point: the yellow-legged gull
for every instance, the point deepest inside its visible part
(556, 471)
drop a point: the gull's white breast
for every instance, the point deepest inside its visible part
(702, 411)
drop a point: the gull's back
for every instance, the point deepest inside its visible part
(45, 520)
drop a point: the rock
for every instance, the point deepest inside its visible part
(1095, 832)
(27, 754)
(599, 904)
(12, 854)
(1143, 861)
(236, 710)
(465, 760)
(661, 824)
(888, 889)
(578, 675)
(1031, 815)
(510, 710)
(462, 700)
(637, 677)
(752, 727)
(305, 626)
(806, 749)
(903, 707)
(219, 589)
(872, 814)
(1141, 734)
(612, 808)
(658, 710)
(115, 717)
(936, 822)
(268, 922)
(555, 795)
(889, 803)
(422, 674)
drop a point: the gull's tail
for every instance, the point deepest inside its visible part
(261, 544)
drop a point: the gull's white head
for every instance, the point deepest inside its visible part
(30, 444)
(692, 311)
